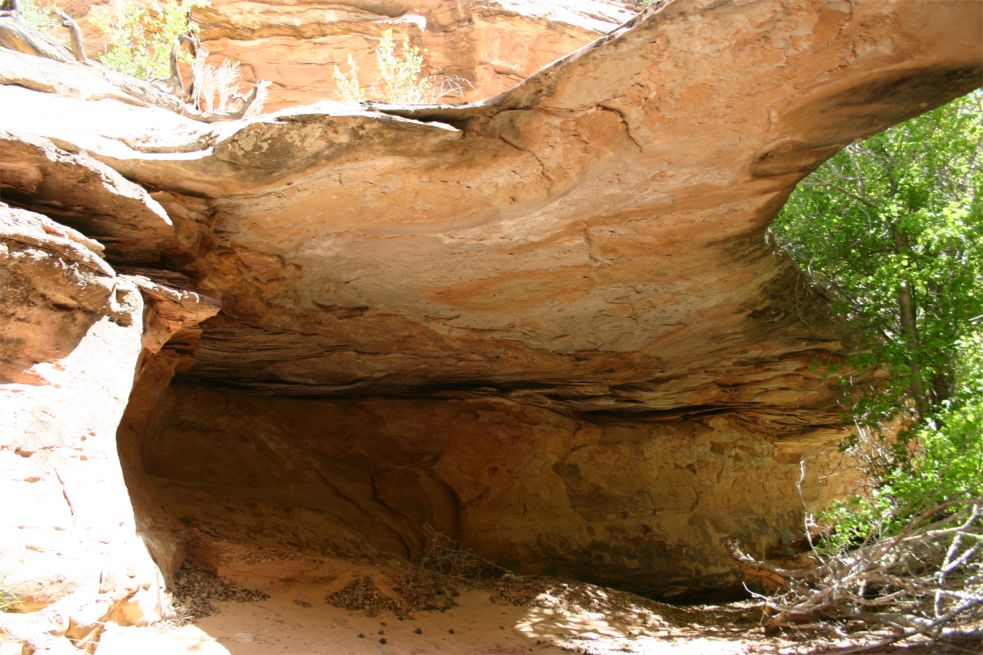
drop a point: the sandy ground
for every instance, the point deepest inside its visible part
(296, 620)
(294, 601)
(564, 618)
(312, 606)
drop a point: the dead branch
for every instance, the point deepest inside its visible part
(444, 556)
(176, 80)
(925, 581)
(200, 54)
(252, 102)
(764, 575)
(78, 44)
(15, 35)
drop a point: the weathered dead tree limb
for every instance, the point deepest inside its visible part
(926, 581)
(762, 574)
(200, 54)
(153, 96)
(15, 35)
(75, 35)
(252, 103)
(176, 80)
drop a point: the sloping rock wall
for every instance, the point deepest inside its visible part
(642, 506)
(72, 332)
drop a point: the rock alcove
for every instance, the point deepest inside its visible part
(547, 325)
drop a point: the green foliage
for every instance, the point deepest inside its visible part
(140, 38)
(401, 80)
(892, 228)
(403, 77)
(945, 469)
(41, 19)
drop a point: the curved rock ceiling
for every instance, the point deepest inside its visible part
(592, 238)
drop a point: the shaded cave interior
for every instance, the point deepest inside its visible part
(222, 477)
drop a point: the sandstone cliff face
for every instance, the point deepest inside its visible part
(485, 47)
(639, 506)
(73, 331)
(546, 324)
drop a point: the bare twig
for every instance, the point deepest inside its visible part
(926, 580)
(78, 44)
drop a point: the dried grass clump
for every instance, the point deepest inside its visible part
(403, 78)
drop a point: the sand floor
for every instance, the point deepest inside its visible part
(296, 620)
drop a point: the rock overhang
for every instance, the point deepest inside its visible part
(573, 273)
(600, 225)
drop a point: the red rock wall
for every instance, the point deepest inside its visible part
(486, 46)
(642, 506)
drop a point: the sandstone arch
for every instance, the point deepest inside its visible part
(547, 323)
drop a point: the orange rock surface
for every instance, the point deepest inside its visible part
(548, 324)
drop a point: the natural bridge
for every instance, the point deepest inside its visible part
(547, 324)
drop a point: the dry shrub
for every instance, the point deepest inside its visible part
(216, 87)
(925, 582)
(403, 77)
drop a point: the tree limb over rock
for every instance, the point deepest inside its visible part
(78, 43)
(15, 35)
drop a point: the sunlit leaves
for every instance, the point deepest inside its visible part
(892, 228)
(140, 36)
(900, 214)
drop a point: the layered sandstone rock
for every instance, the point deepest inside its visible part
(486, 47)
(547, 325)
(72, 335)
(642, 506)
(481, 47)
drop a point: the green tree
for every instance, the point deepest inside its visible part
(140, 37)
(892, 228)
(40, 18)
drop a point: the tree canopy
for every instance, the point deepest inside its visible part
(892, 229)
